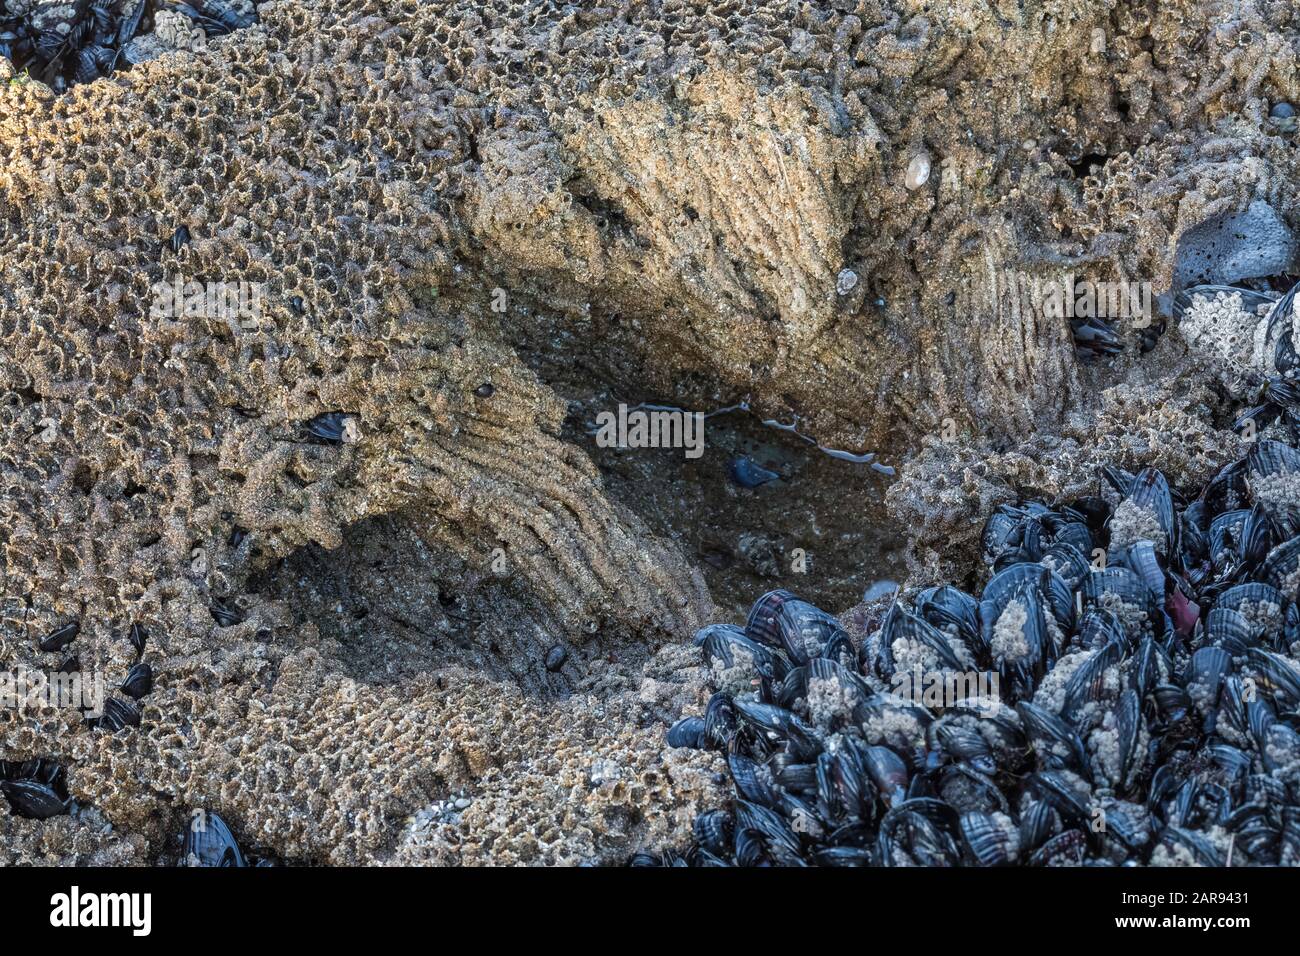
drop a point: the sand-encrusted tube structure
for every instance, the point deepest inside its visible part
(714, 200)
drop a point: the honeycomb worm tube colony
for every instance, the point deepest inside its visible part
(305, 307)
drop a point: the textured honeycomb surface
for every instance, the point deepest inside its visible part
(680, 186)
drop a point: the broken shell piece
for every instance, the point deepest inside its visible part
(918, 171)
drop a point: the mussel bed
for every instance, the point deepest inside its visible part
(1135, 657)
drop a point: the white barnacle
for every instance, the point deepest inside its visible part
(1009, 642)
(1221, 328)
(1131, 523)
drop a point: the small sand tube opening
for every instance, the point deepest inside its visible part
(64, 43)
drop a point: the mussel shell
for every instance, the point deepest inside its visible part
(782, 844)
(1088, 681)
(60, 637)
(719, 721)
(1056, 790)
(762, 623)
(1128, 823)
(947, 606)
(780, 727)
(327, 428)
(1202, 850)
(887, 771)
(752, 780)
(901, 624)
(34, 799)
(713, 830)
(922, 829)
(687, 732)
(1281, 567)
(989, 842)
(1061, 745)
(225, 615)
(118, 714)
(138, 635)
(1068, 562)
(1038, 822)
(805, 630)
(1064, 849)
(1005, 585)
(1128, 724)
(139, 681)
(1142, 559)
(727, 648)
(209, 842)
(1275, 674)
(704, 633)
(1228, 629)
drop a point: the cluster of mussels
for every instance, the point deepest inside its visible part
(76, 41)
(1136, 655)
(36, 789)
(117, 711)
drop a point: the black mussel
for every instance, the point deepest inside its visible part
(762, 625)
(1281, 568)
(225, 615)
(919, 832)
(1095, 337)
(139, 681)
(713, 831)
(1087, 683)
(209, 842)
(35, 789)
(1190, 845)
(951, 610)
(719, 720)
(779, 842)
(555, 658)
(1274, 673)
(180, 238)
(737, 661)
(328, 428)
(1146, 510)
(705, 632)
(687, 732)
(118, 714)
(60, 637)
(991, 838)
(138, 636)
(1273, 478)
(747, 473)
(804, 630)
(1039, 822)
(888, 772)
(780, 727)
(1064, 849)
(1056, 743)
(29, 798)
(1067, 795)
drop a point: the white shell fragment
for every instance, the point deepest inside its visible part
(918, 171)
